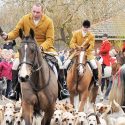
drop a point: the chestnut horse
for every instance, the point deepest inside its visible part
(80, 79)
(38, 82)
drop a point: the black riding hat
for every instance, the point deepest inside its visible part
(86, 24)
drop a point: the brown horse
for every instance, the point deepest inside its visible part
(80, 79)
(39, 85)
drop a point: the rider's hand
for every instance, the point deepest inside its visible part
(4, 36)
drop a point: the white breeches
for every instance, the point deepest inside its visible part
(93, 63)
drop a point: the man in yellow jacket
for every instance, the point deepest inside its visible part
(43, 28)
(40, 23)
(82, 37)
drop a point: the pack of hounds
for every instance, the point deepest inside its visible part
(66, 114)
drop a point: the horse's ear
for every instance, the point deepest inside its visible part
(32, 33)
(21, 33)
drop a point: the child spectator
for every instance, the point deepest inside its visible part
(6, 69)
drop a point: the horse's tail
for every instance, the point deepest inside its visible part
(122, 83)
(122, 74)
(118, 87)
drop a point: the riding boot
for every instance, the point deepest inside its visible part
(63, 92)
(95, 74)
(13, 92)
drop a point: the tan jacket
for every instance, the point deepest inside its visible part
(44, 31)
(78, 39)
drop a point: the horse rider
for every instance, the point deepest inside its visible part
(44, 32)
(82, 37)
(104, 52)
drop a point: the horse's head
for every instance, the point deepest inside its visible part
(27, 55)
(81, 58)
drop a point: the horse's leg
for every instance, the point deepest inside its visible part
(80, 97)
(48, 115)
(72, 98)
(94, 93)
(27, 111)
(84, 96)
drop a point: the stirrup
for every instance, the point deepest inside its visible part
(97, 83)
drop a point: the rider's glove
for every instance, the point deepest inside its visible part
(4, 35)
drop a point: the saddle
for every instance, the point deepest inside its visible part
(51, 58)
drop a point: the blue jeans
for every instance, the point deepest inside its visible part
(103, 84)
(9, 87)
(108, 89)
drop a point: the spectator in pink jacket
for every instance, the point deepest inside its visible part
(6, 69)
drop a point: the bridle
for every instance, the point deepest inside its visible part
(35, 69)
(82, 64)
(30, 63)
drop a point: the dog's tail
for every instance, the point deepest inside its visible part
(119, 107)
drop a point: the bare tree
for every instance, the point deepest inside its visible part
(66, 14)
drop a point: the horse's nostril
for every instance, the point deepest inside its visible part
(22, 79)
(27, 77)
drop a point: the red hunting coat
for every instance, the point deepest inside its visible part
(6, 70)
(104, 52)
